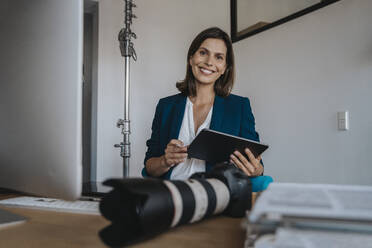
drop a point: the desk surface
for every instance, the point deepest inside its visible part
(55, 229)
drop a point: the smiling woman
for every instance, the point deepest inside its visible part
(205, 100)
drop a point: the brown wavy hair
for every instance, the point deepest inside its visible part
(225, 82)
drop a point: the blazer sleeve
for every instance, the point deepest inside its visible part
(247, 128)
(153, 144)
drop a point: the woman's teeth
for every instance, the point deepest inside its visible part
(206, 71)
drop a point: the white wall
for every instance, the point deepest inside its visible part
(298, 75)
(165, 29)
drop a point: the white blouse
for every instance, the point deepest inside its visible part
(187, 134)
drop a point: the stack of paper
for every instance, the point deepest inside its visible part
(311, 215)
(294, 238)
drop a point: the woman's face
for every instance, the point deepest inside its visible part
(209, 62)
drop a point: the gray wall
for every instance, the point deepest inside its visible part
(298, 76)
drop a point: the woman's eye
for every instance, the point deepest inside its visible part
(219, 57)
(202, 52)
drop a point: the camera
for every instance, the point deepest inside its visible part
(142, 208)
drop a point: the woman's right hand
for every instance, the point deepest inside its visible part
(175, 153)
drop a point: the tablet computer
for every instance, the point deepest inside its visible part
(214, 146)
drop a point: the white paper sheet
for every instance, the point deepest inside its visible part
(346, 202)
(292, 238)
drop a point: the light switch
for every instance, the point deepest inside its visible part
(343, 120)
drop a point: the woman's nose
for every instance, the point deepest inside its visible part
(209, 61)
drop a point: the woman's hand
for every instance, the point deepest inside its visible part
(175, 153)
(253, 167)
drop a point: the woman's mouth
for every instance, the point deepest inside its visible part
(206, 71)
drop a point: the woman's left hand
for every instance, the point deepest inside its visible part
(253, 167)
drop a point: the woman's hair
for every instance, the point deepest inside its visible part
(225, 82)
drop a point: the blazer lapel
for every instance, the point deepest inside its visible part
(177, 117)
(217, 114)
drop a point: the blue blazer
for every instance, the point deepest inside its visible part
(232, 115)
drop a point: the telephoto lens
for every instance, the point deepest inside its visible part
(140, 209)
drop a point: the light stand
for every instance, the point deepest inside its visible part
(127, 51)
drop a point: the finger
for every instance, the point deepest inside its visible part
(175, 146)
(241, 167)
(245, 162)
(252, 158)
(178, 155)
(259, 165)
(260, 170)
(241, 157)
(181, 149)
(237, 164)
(175, 149)
(176, 142)
(236, 161)
(169, 150)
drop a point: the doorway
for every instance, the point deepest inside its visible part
(89, 118)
